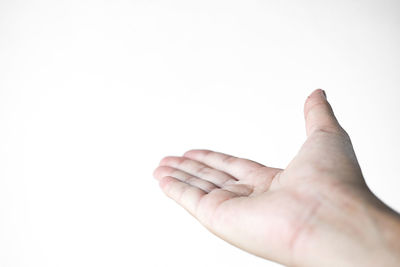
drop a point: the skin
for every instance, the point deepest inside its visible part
(318, 211)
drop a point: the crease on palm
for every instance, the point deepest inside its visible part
(207, 179)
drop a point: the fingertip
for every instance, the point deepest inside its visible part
(319, 114)
(163, 181)
(318, 96)
(155, 173)
(193, 152)
(189, 152)
(165, 160)
(162, 171)
(320, 93)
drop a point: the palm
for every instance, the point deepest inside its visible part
(221, 191)
(260, 209)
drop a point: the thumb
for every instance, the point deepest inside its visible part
(319, 115)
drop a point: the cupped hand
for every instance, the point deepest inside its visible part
(303, 215)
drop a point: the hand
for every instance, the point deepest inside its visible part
(316, 212)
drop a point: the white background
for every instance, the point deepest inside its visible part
(94, 93)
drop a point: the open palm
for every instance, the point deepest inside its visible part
(271, 212)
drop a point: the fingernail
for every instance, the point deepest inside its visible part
(324, 93)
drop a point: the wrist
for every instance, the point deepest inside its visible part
(358, 230)
(371, 232)
(387, 234)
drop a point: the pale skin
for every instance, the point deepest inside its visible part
(318, 211)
